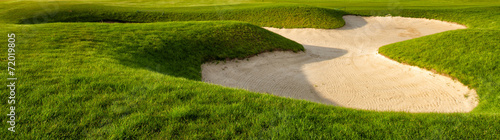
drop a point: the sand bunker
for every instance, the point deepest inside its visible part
(342, 67)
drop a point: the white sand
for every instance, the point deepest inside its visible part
(342, 67)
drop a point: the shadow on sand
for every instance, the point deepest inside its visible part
(276, 73)
(353, 22)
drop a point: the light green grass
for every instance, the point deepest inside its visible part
(141, 80)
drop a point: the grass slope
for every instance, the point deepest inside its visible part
(93, 77)
(173, 48)
(468, 55)
(473, 18)
(280, 16)
(120, 81)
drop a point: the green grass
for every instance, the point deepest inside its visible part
(469, 55)
(142, 80)
(363, 4)
(93, 77)
(280, 16)
(473, 18)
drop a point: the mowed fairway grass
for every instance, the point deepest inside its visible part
(80, 78)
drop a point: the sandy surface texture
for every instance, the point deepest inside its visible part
(342, 67)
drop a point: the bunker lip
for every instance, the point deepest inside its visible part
(342, 67)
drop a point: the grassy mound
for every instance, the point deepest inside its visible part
(469, 55)
(173, 48)
(126, 81)
(94, 77)
(121, 81)
(281, 16)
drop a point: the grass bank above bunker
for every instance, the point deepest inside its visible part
(284, 16)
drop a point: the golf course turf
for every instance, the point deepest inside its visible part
(80, 78)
